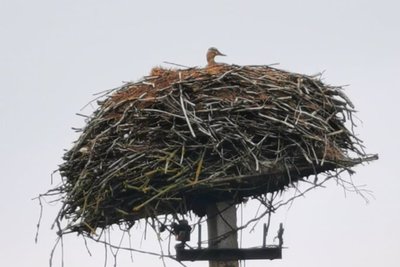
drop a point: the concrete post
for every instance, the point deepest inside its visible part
(221, 225)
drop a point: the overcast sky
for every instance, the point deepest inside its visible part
(54, 55)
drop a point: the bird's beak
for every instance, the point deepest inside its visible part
(220, 54)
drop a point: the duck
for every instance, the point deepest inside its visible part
(212, 52)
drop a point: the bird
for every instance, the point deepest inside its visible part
(212, 52)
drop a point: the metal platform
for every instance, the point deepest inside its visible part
(182, 230)
(228, 254)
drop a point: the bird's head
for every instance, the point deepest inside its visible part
(212, 51)
(211, 54)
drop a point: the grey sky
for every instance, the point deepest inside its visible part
(55, 54)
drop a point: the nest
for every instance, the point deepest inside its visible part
(179, 140)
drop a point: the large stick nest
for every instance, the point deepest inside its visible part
(180, 139)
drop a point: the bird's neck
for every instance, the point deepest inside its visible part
(210, 59)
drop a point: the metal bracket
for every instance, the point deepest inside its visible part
(224, 254)
(228, 254)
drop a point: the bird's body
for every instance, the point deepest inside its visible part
(211, 54)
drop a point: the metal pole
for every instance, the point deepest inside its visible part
(199, 237)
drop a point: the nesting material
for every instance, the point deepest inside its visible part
(180, 139)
